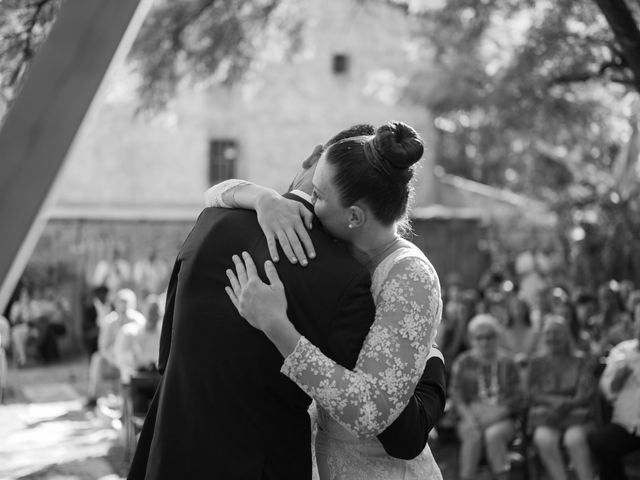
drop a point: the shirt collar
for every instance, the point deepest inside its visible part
(303, 195)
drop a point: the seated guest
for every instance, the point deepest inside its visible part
(55, 311)
(562, 305)
(605, 323)
(22, 317)
(485, 390)
(124, 312)
(452, 333)
(520, 337)
(620, 383)
(136, 350)
(560, 387)
(585, 307)
(93, 315)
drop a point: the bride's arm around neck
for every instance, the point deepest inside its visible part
(282, 220)
(236, 193)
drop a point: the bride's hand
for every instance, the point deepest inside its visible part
(262, 305)
(285, 220)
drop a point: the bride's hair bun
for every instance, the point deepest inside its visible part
(398, 144)
(377, 170)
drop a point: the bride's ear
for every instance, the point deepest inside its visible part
(357, 216)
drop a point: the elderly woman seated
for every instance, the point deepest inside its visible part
(485, 390)
(560, 386)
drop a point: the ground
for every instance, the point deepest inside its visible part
(46, 433)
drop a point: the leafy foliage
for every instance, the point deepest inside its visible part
(538, 97)
(188, 40)
(23, 27)
(210, 41)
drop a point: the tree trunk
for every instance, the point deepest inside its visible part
(626, 32)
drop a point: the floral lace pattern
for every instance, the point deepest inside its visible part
(408, 308)
(341, 456)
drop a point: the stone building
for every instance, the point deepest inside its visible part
(350, 71)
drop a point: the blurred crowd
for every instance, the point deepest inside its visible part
(36, 319)
(117, 324)
(121, 340)
(534, 359)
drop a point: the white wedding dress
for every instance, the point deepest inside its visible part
(355, 406)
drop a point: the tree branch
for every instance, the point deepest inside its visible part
(624, 27)
(27, 50)
(585, 76)
(623, 81)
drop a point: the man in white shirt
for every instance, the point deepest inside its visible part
(137, 346)
(136, 350)
(124, 313)
(620, 383)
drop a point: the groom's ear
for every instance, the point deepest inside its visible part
(357, 216)
(313, 158)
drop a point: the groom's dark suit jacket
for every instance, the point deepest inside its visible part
(223, 409)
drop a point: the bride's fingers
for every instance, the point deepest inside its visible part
(272, 246)
(272, 275)
(304, 237)
(233, 297)
(240, 270)
(252, 271)
(294, 241)
(286, 246)
(307, 216)
(235, 285)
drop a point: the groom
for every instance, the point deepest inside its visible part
(223, 410)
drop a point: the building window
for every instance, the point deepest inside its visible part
(223, 156)
(340, 64)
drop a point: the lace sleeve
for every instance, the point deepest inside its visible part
(221, 194)
(368, 399)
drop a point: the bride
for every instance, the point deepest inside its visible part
(361, 192)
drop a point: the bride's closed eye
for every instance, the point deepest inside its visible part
(314, 196)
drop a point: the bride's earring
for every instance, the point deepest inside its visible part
(355, 217)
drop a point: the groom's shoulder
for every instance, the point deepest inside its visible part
(222, 217)
(219, 224)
